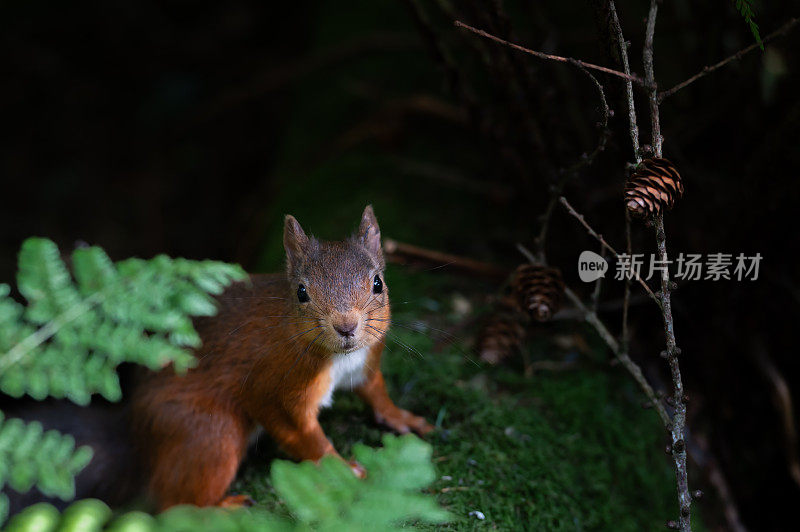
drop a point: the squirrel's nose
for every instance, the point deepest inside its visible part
(347, 328)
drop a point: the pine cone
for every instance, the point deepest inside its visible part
(653, 187)
(538, 290)
(501, 337)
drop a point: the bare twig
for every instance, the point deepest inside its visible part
(606, 245)
(616, 28)
(652, 93)
(277, 78)
(590, 316)
(623, 54)
(783, 401)
(702, 456)
(598, 285)
(552, 365)
(626, 334)
(402, 253)
(456, 82)
(786, 28)
(613, 305)
(631, 366)
(679, 416)
(585, 160)
(551, 57)
(447, 176)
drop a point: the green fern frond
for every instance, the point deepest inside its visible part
(324, 497)
(328, 497)
(30, 456)
(69, 340)
(745, 8)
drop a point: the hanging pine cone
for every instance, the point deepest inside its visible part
(538, 290)
(653, 187)
(502, 336)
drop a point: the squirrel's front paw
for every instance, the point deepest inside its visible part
(357, 469)
(403, 421)
(237, 501)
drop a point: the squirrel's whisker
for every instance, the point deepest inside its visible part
(406, 346)
(303, 352)
(302, 333)
(251, 297)
(377, 308)
(451, 339)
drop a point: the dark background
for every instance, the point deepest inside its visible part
(190, 128)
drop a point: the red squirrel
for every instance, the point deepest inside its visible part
(274, 354)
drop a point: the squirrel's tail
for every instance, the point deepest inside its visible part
(112, 475)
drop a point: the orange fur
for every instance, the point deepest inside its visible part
(266, 360)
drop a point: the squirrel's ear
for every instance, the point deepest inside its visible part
(295, 240)
(370, 233)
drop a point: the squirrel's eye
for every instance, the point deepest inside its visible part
(302, 295)
(377, 285)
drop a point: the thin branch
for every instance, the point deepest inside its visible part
(652, 93)
(704, 458)
(456, 81)
(632, 367)
(612, 305)
(598, 286)
(590, 316)
(542, 55)
(634, 132)
(679, 416)
(606, 245)
(783, 401)
(626, 333)
(623, 53)
(402, 253)
(786, 28)
(566, 173)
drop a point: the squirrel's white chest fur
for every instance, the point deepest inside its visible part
(347, 371)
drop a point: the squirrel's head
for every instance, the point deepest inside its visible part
(338, 286)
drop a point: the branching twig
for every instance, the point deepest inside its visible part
(663, 95)
(783, 401)
(679, 416)
(606, 245)
(631, 366)
(455, 79)
(626, 335)
(598, 285)
(702, 456)
(634, 132)
(587, 159)
(551, 57)
(623, 54)
(402, 252)
(590, 316)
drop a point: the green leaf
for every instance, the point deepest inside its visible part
(745, 8)
(31, 456)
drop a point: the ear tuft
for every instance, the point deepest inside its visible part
(295, 241)
(369, 233)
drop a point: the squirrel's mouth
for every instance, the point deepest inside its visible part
(349, 347)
